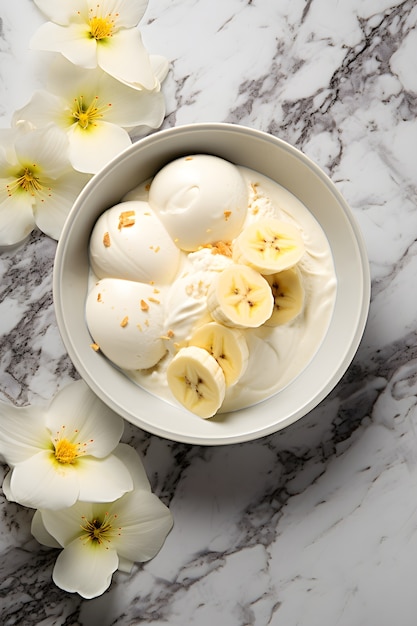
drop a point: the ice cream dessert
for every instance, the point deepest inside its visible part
(247, 305)
(127, 319)
(129, 241)
(200, 199)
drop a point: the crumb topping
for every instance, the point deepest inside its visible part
(106, 240)
(95, 347)
(126, 219)
(227, 214)
(99, 297)
(222, 247)
(144, 305)
(124, 322)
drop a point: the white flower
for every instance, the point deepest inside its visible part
(63, 452)
(90, 33)
(100, 538)
(37, 183)
(94, 110)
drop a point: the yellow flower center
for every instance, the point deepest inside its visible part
(28, 181)
(100, 531)
(101, 27)
(87, 114)
(65, 451)
(66, 447)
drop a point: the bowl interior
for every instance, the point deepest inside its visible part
(282, 163)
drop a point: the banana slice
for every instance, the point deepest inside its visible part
(239, 296)
(288, 291)
(269, 246)
(227, 345)
(197, 381)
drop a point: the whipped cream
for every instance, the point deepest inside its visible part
(276, 354)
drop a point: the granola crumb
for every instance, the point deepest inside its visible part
(222, 247)
(144, 305)
(106, 240)
(95, 347)
(126, 219)
(124, 322)
(227, 214)
(154, 300)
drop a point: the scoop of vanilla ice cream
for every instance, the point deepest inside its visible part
(125, 320)
(129, 241)
(200, 199)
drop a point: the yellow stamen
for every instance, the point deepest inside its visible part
(101, 27)
(67, 448)
(26, 180)
(87, 114)
(100, 530)
(65, 451)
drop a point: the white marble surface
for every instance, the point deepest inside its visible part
(317, 524)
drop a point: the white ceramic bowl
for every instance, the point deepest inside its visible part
(289, 167)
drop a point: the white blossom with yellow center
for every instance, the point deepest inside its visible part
(105, 34)
(94, 110)
(99, 538)
(37, 182)
(63, 453)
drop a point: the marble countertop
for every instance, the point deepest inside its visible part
(316, 524)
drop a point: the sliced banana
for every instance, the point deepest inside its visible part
(269, 246)
(240, 297)
(227, 345)
(197, 381)
(288, 292)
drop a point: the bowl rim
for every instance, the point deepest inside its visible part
(349, 354)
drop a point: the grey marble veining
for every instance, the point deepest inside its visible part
(316, 524)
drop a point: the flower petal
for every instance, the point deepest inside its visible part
(103, 480)
(72, 41)
(51, 213)
(47, 147)
(16, 217)
(42, 483)
(160, 66)
(65, 525)
(126, 59)
(79, 409)
(63, 11)
(125, 565)
(92, 148)
(132, 461)
(22, 432)
(131, 107)
(6, 487)
(145, 523)
(85, 568)
(42, 109)
(40, 533)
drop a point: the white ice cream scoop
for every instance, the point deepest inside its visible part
(129, 241)
(125, 320)
(200, 199)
